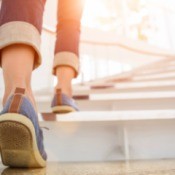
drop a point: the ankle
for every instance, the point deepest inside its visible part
(66, 89)
(65, 76)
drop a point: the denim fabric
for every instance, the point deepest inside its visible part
(31, 11)
(27, 110)
(65, 101)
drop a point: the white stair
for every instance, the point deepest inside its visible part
(164, 85)
(107, 136)
(128, 101)
(126, 117)
(141, 89)
(154, 77)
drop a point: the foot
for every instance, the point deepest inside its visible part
(62, 103)
(67, 90)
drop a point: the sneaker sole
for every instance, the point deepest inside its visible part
(62, 109)
(18, 142)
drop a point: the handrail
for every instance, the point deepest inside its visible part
(52, 31)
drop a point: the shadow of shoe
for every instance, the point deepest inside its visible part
(23, 171)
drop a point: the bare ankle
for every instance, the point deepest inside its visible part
(65, 89)
(65, 76)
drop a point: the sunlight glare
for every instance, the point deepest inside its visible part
(93, 10)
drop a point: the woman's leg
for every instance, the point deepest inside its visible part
(66, 62)
(20, 28)
(22, 56)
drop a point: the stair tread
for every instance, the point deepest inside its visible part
(93, 116)
(154, 76)
(130, 85)
(127, 87)
(120, 96)
(132, 95)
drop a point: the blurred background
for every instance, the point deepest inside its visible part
(125, 89)
(118, 36)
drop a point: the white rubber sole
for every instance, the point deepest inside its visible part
(18, 142)
(62, 109)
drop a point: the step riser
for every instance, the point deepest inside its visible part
(153, 79)
(112, 105)
(144, 104)
(157, 71)
(106, 141)
(125, 90)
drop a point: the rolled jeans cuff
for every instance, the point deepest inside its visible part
(18, 32)
(66, 59)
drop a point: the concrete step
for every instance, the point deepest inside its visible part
(109, 136)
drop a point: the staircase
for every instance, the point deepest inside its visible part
(124, 117)
(148, 88)
(127, 116)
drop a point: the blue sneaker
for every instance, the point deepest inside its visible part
(61, 103)
(21, 138)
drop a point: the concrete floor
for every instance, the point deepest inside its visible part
(152, 167)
